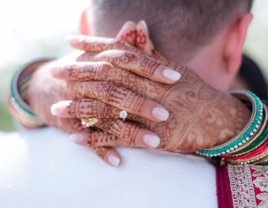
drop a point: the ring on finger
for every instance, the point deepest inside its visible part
(123, 114)
(89, 122)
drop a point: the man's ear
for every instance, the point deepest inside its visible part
(235, 39)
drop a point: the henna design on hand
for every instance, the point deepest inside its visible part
(97, 138)
(89, 108)
(113, 94)
(41, 98)
(101, 151)
(200, 116)
(124, 130)
(129, 37)
(141, 39)
(148, 67)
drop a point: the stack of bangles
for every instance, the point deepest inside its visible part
(250, 146)
(16, 105)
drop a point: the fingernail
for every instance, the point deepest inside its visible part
(54, 71)
(72, 39)
(114, 160)
(77, 138)
(160, 113)
(171, 74)
(57, 109)
(151, 140)
(129, 23)
(145, 27)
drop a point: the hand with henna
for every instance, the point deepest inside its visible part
(114, 75)
(44, 90)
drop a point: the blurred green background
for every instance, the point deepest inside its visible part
(41, 35)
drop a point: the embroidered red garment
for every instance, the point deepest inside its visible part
(223, 188)
(241, 186)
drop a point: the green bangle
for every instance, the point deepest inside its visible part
(23, 109)
(245, 135)
(258, 142)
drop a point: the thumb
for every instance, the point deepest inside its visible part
(128, 33)
(143, 41)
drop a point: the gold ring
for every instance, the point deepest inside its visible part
(89, 122)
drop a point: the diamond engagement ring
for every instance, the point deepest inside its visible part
(123, 115)
(89, 122)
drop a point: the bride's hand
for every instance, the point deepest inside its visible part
(45, 90)
(199, 116)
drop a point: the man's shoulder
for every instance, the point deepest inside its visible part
(46, 162)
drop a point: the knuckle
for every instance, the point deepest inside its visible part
(71, 109)
(74, 90)
(119, 42)
(103, 68)
(106, 124)
(90, 140)
(84, 42)
(87, 56)
(148, 66)
(108, 88)
(72, 70)
(129, 54)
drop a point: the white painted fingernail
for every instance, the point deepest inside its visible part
(58, 109)
(151, 140)
(114, 160)
(77, 138)
(54, 71)
(129, 23)
(72, 39)
(171, 74)
(160, 113)
(145, 27)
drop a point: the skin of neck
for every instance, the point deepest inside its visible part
(218, 62)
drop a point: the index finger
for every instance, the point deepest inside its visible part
(141, 64)
(98, 44)
(107, 154)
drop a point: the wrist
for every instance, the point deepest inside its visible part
(242, 134)
(20, 109)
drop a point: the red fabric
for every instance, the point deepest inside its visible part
(223, 188)
(256, 189)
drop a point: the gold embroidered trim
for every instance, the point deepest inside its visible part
(242, 189)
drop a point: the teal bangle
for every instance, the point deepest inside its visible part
(249, 131)
(23, 109)
(258, 142)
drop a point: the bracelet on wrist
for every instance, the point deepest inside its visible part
(256, 141)
(247, 133)
(17, 106)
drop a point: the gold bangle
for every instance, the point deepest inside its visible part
(249, 160)
(261, 161)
